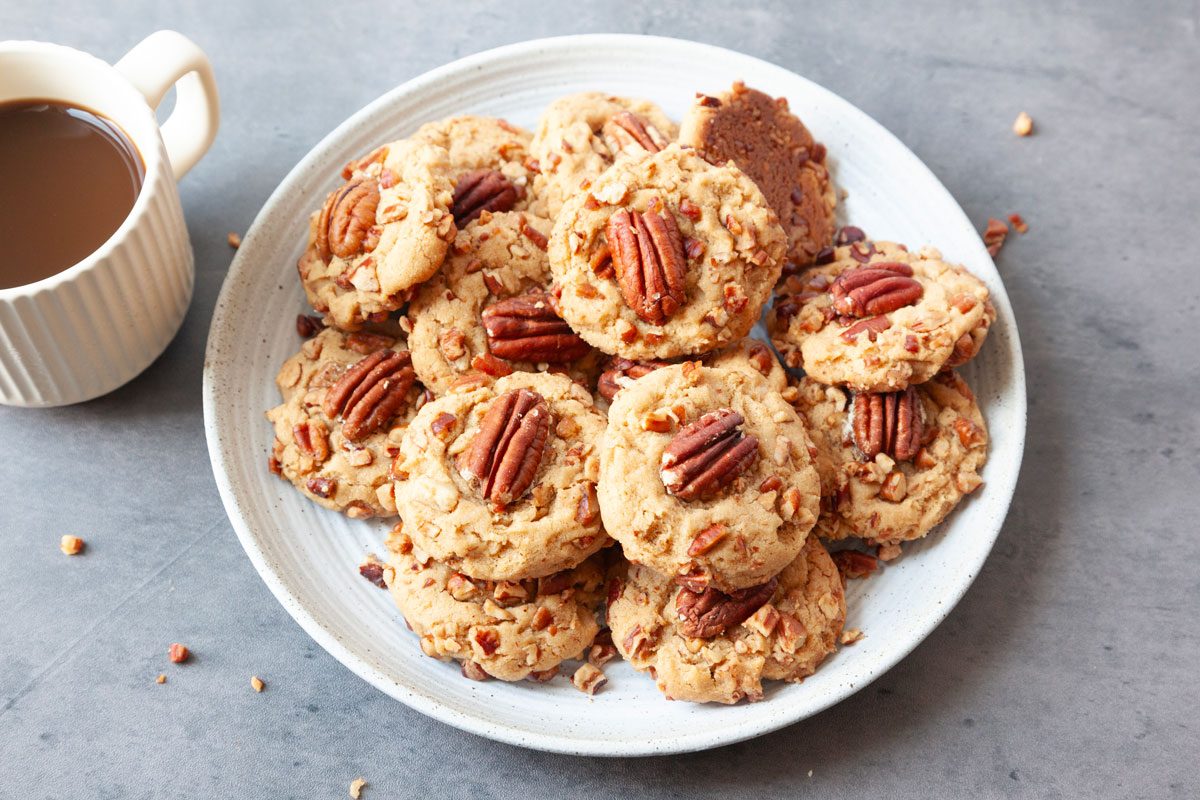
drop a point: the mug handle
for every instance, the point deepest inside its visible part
(165, 59)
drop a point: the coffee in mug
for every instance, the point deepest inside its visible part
(71, 177)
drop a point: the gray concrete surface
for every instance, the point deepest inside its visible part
(1068, 670)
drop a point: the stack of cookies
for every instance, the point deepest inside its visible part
(532, 350)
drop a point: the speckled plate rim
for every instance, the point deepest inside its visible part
(1001, 477)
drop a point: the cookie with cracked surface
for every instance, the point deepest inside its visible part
(878, 317)
(665, 256)
(382, 232)
(771, 145)
(509, 629)
(893, 466)
(347, 398)
(712, 648)
(581, 135)
(479, 146)
(706, 476)
(500, 478)
(487, 311)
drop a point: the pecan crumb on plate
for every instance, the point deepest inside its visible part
(257, 683)
(356, 787)
(1023, 125)
(178, 653)
(588, 679)
(71, 545)
(234, 239)
(994, 235)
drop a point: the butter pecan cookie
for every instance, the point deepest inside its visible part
(581, 135)
(508, 629)
(706, 476)
(878, 317)
(710, 647)
(489, 161)
(347, 397)
(488, 312)
(771, 145)
(499, 479)
(386, 229)
(893, 465)
(665, 256)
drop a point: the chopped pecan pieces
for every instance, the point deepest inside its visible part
(703, 615)
(71, 545)
(588, 678)
(322, 487)
(888, 422)
(872, 326)
(1023, 125)
(849, 234)
(308, 325)
(994, 235)
(852, 564)
(706, 456)
(346, 226)
(626, 131)
(481, 190)
(621, 372)
(707, 539)
(372, 570)
(507, 451)
(526, 328)
(649, 261)
(875, 289)
(473, 672)
(371, 393)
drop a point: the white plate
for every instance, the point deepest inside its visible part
(308, 556)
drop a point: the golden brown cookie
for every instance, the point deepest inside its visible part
(347, 398)
(706, 476)
(500, 478)
(489, 163)
(581, 135)
(665, 256)
(508, 629)
(386, 229)
(893, 465)
(487, 311)
(715, 648)
(878, 317)
(771, 145)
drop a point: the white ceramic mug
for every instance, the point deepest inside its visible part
(94, 326)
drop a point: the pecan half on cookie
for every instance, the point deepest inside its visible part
(888, 422)
(371, 393)
(505, 455)
(875, 289)
(346, 226)
(649, 261)
(527, 328)
(482, 190)
(706, 614)
(707, 455)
